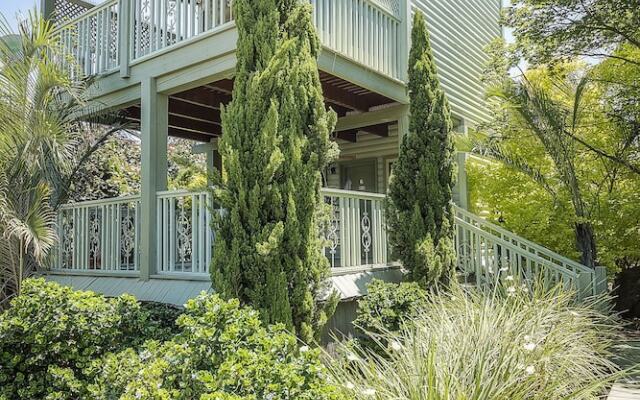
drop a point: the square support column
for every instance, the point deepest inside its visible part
(403, 125)
(210, 150)
(462, 183)
(154, 118)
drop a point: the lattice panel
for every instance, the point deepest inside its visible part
(65, 10)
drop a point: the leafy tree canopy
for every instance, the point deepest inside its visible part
(553, 30)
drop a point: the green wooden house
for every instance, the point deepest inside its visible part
(169, 65)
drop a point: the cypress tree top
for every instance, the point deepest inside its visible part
(419, 208)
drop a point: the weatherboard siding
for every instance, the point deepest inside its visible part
(460, 31)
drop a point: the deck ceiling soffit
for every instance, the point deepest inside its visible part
(196, 113)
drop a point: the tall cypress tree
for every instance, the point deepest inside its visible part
(419, 205)
(275, 143)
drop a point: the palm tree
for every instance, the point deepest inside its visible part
(39, 142)
(551, 112)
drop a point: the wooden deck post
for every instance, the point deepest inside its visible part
(124, 37)
(404, 39)
(403, 125)
(47, 9)
(601, 283)
(462, 181)
(153, 129)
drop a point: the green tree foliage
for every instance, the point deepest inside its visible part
(419, 207)
(388, 305)
(550, 186)
(604, 31)
(58, 343)
(561, 30)
(268, 251)
(40, 150)
(51, 335)
(114, 169)
(222, 352)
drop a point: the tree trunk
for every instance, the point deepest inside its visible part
(586, 243)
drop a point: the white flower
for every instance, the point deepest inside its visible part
(349, 385)
(352, 357)
(490, 270)
(138, 394)
(511, 290)
(509, 278)
(529, 346)
(504, 269)
(530, 370)
(395, 346)
(304, 349)
(369, 392)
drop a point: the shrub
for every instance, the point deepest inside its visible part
(487, 346)
(222, 352)
(387, 305)
(163, 316)
(51, 335)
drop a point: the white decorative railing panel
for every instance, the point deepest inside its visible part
(355, 232)
(367, 31)
(119, 32)
(92, 41)
(184, 234)
(489, 252)
(158, 24)
(105, 236)
(101, 235)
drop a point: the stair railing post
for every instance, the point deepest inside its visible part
(584, 285)
(600, 284)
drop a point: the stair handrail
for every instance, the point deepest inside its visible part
(540, 251)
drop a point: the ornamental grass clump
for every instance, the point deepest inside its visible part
(503, 345)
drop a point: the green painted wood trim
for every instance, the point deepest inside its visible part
(48, 8)
(404, 41)
(351, 71)
(124, 31)
(388, 114)
(153, 130)
(462, 182)
(601, 282)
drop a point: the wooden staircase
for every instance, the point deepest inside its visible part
(487, 252)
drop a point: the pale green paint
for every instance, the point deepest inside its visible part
(153, 129)
(124, 45)
(387, 114)
(461, 189)
(460, 31)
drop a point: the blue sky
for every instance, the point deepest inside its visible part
(10, 8)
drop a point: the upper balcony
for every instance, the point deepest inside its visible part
(122, 40)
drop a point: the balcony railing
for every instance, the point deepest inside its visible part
(117, 33)
(103, 236)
